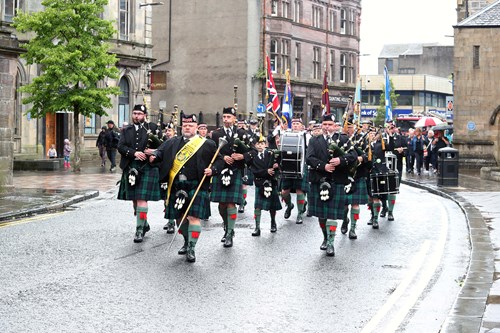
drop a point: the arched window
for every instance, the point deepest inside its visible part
(124, 102)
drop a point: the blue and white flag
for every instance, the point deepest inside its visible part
(388, 104)
(287, 110)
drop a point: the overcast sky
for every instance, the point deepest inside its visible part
(406, 21)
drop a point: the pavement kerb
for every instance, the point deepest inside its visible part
(468, 309)
(49, 208)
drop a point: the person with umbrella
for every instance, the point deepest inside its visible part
(418, 144)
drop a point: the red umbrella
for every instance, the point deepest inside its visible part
(428, 121)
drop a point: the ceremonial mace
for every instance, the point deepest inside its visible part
(222, 142)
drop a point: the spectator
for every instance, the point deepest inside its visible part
(410, 157)
(418, 144)
(52, 152)
(67, 153)
(428, 151)
(111, 140)
(101, 144)
(440, 141)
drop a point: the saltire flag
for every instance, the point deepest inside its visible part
(325, 98)
(287, 110)
(388, 104)
(273, 101)
(357, 101)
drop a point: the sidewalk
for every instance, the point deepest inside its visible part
(476, 309)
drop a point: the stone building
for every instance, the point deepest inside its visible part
(207, 47)
(133, 47)
(417, 58)
(467, 8)
(477, 78)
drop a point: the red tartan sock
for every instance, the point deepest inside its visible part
(142, 217)
(194, 231)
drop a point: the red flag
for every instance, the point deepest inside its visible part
(325, 98)
(273, 102)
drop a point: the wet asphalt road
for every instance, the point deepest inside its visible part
(79, 271)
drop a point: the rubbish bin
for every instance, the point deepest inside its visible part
(447, 167)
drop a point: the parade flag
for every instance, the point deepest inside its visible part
(287, 110)
(357, 101)
(325, 98)
(388, 104)
(273, 102)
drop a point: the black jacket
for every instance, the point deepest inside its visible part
(317, 158)
(111, 138)
(229, 148)
(132, 141)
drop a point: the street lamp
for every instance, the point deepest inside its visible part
(144, 4)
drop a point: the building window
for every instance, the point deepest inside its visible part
(285, 6)
(297, 60)
(343, 67)
(475, 57)
(274, 8)
(332, 66)
(389, 63)
(352, 70)
(331, 20)
(297, 10)
(343, 21)
(317, 16)
(274, 55)
(316, 63)
(124, 102)
(124, 19)
(352, 30)
(10, 7)
(89, 125)
(285, 55)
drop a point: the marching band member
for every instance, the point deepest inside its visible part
(328, 175)
(299, 185)
(227, 185)
(185, 159)
(264, 167)
(140, 180)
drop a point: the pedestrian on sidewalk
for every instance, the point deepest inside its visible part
(101, 145)
(52, 152)
(67, 153)
(111, 141)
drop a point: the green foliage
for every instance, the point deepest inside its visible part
(69, 44)
(380, 117)
(261, 73)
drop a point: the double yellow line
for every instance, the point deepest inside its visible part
(37, 218)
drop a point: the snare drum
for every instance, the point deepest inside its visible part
(293, 153)
(384, 183)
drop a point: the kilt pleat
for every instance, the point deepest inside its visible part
(228, 194)
(146, 188)
(271, 203)
(361, 195)
(333, 208)
(200, 207)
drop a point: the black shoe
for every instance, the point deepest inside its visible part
(138, 236)
(300, 219)
(352, 234)
(145, 229)
(371, 220)
(383, 212)
(184, 249)
(390, 217)
(190, 256)
(229, 240)
(323, 245)
(273, 226)
(375, 225)
(256, 232)
(288, 211)
(343, 228)
(241, 209)
(170, 228)
(330, 250)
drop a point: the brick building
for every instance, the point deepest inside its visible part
(208, 47)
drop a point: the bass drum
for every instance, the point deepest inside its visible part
(384, 183)
(293, 152)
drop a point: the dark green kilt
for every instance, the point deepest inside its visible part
(249, 177)
(359, 197)
(296, 184)
(147, 186)
(228, 194)
(200, 207)
(271, 203)
(332, 209)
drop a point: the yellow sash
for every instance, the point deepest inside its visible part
(182, 156)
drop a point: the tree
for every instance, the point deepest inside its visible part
(380, 117)
(69, 44)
